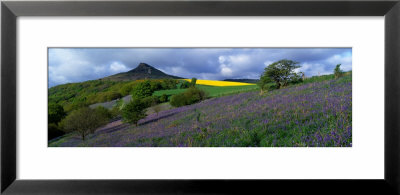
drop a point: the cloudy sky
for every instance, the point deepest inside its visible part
(68, 65)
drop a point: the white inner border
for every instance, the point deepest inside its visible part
(365, 160)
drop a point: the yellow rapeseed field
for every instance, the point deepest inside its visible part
(219, 83)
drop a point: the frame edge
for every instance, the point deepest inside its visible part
(8, 103)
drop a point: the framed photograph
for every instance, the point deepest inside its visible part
(134, 97)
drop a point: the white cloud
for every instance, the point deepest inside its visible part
(267, 63)
(221, 59)
(225, 71)
(117, 67)
(312, 69)
(346, 61)
(234, 65)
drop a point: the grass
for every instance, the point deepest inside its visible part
(213, 91)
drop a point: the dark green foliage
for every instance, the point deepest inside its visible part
(169, 84)
(163, 98)
(142, 90)
(263, 83)
(337, 71)
(103, 112)
(282, 72)
(150, 101)
(127, 89)
(56, 113)
(178, 100)
(54, 131)
(190, 96)
(183, 84)
(84, 121)
(193, 82)
(155, 85)
(297, 78)
(134, 111)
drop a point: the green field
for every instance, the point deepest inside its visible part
(213, 91)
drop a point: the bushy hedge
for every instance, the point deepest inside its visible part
(190, 96)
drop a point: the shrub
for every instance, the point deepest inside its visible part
(150, 101)
(155, 85)
(178, 100)
(134, 111)
(163, 98)
(184, 84)
(115, 111)
(190, 96)
(168, 84)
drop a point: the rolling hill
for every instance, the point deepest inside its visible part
(142, 71)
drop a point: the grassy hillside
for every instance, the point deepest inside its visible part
(316, 113)
(213, 91)
(74, 95)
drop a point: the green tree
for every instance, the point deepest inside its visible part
(263, 83)
(134, 111)
(193, 82)
(83, 121)
(142, 90)
(338, 72)
(168, 84)
(56, 113)
(281, 72)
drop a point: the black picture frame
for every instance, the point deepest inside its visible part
(10, 10)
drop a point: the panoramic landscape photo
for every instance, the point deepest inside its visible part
(199, 97)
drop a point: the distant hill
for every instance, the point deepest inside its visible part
(243, 80)
(142, 71)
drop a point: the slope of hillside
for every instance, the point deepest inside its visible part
(142, 71)
(313, 114)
